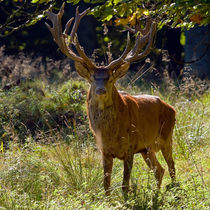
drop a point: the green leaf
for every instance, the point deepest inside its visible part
(108, 18)
(116, 2)
(39, 1)
(34, 1)
(182, 39)
(73, 1)
(106, 39)
(109, 3)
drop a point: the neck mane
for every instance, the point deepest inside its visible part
(103, 114)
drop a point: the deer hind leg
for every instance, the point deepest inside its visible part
(107, 164)
(167, 154)
(151, 160)
(166, 146)
(128, 164)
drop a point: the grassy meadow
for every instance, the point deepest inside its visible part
(49, 160)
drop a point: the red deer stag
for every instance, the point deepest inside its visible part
(122, 124)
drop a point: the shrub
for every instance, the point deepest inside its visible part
(34, 106)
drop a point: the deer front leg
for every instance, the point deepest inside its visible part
(107, 164)
(128, 163)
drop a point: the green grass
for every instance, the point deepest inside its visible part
(36, 106)
(59, 167)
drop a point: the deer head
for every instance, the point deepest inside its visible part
(101, 78)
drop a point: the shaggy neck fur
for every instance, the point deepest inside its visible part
(102, 111)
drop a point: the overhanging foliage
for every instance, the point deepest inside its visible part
(17, 14)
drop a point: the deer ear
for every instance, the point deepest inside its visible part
(121, 71)
(82, 70)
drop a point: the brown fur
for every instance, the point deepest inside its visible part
(125, 125)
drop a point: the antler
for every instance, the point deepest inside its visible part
(144, 36)
(65, 41)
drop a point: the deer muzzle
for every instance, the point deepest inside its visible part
(100, 87)
(100, 91)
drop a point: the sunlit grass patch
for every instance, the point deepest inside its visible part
(81, 168)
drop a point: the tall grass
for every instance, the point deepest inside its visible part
(48, 158)
(55, 174)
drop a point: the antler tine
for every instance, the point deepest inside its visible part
(56, 21)
(132, 30)
(74, 37)
(148, 38)
(120, 60)
(68, 24)
(59, 37)
(147, 26)
(63, 40)
(140, 43)
(142, 39)
(144, 36)
(78, 18)
(82, 54)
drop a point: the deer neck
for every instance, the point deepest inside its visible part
(99, 111)
(101, 103)
(104, 114)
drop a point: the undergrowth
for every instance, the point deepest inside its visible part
(59, 169)
(34, 106)
(49, 160)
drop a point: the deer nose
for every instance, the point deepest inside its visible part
(100, 91)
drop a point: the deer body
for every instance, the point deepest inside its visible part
(130, 125)
(142, 128)
(122, 124)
